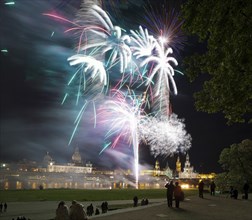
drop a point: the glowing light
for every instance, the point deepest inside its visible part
(9, 3)
(165, 21)
(163, 40)
(185, 186)
(4, 51)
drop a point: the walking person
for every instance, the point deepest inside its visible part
(1, 207)
(201, 189)
(169, 193)
(212, 188)
(177, 194)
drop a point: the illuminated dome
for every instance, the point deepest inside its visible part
(47, 158)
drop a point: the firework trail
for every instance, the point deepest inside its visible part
(124, 115)
(154, 57)
(103, 46)
(144, 43)
(112, 40)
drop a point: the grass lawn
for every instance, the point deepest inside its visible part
(83, 195)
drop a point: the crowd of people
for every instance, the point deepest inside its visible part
(77, 211)
(21, 218)
(174, 192)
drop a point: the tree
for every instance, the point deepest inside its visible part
(226, 28)
(237, 164)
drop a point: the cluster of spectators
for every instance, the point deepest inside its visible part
(3, 207)
(144, 202)
(77, 211)
(21, 218)
(104, 207)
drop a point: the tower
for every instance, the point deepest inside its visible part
(47, 159)
(76, 158)
(157, 169)
(178, 165)
(187, 162)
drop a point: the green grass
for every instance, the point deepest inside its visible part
(83, 195)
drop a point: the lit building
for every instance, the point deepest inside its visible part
(75, 167)
(178, 165)
(188, 171)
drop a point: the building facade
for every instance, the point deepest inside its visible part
(75, 167)
(188, 171)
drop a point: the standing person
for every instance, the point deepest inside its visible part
(212, 188)
(62, 211)
(201, 188)
(177, 194)
(135, 201)
(5, 207)
(169, 193)
(1, 207)
(245, 190)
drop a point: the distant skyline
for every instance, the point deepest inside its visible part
(34, 73)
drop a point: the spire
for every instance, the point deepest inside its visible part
(76, 156)
(187, 157)
(178, 165)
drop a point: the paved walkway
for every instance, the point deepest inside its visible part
(193, 208)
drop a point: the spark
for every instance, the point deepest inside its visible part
(9, 3)
(4, 51)
(166, 135)
(164, 21)
(64, 99)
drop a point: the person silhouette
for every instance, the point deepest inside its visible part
(201, 189)
(212, 188)
(177, 194)
(169, 193)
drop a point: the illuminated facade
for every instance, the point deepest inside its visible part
(178, 165)
(75, 167)
(188, 171)
(30, 174)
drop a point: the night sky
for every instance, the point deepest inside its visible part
(34, 73)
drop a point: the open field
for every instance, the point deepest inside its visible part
(83, 195)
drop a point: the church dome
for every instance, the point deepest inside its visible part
(47, 158)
